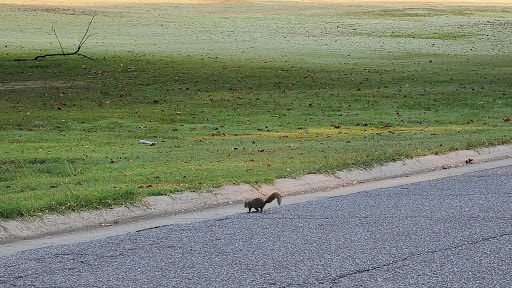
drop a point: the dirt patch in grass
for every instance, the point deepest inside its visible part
(36, 84)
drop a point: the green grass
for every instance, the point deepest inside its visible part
(433, 35)
(338, 90)
(74, 145)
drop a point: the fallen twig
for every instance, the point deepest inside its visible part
(82, 42)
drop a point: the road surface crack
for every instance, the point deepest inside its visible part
(336, 278)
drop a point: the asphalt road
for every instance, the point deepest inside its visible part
(449, 232)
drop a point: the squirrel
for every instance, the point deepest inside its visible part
(258, 203)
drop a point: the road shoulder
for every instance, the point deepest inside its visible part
(20, 235)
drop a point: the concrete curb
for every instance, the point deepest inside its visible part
(161, 206)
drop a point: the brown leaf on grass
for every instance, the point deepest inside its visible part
(506, 119)
(53, 187)
(78, 183)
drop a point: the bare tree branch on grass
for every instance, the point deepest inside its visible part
(77, 52)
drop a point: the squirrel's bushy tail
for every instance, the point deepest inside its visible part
(274, 196)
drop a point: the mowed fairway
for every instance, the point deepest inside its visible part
(239, 92)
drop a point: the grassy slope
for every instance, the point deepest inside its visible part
(71, 129)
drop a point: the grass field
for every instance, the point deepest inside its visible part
(239, 93)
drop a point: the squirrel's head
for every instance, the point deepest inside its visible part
(246, 204)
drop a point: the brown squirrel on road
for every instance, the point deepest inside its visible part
(258, 203)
